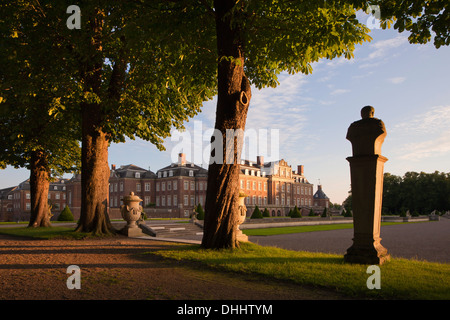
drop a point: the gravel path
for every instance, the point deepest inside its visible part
(421, 240)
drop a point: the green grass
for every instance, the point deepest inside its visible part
(400, 278)
(45, 233)
(299, 229)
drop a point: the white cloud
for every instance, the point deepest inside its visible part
(396, 80)
(339, 91)
(383, 47)
(427, 134)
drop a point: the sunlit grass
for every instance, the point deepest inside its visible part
(300, 229)
(45, 233)
(400, 278)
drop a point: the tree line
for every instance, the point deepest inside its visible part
(419, 193)
(139, 68)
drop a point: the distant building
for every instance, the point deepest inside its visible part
(275, 186)
(175, 190)
(320, 198)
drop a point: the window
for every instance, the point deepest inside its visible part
(163, 186)
(186, 200)
(138, 187)
(246, 172)
(254, 185)
(159, 174)
(174, 185)
(265, 200)
(157, 186)
(259, 200)
(169, 185)
(157, 201)
(186, 185)
(28, 206)
(57, 196)
(171, 173)
(265, 186)
(27, 196)
(147, 200)
(192, 201)
(277, 186)
(115, 187)
(277, 201)
(169, 201)
(175, 201)
(254, 199)
(288, 187)
(282, 187)
(137, 175)
(191, 173)
(259, 186)
(147, 186)
(121, 186)
(165, 174)
(248, 185)
(192, 185)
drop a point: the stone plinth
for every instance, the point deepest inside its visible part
(366, 170)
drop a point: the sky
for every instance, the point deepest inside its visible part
(307, 116)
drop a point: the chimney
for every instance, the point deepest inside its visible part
(260, 160)
(113, 167)
(300, 170)
(181, 159)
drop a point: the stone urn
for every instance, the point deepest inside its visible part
(241, 218)
(131, 212)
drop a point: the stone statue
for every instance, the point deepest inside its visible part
(367, 135)
(366, 170)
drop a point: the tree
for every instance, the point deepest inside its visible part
(296, 213)
(266, 213)
(36, 131)
(421, 18)
(256, 213)
(256, 40)
(66, 215)
(144, 68)
(200, 212)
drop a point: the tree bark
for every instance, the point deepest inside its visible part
(39, 186)
(94, 174)
(95, 142)
(234, 93)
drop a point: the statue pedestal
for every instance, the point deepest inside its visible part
(367, 191)
(132, 232)
(366, 169)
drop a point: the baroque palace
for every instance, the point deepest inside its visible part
(175, 190)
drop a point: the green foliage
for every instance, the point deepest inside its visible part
(256, 214)
(266, 213)
(311, 213)
(296, 213)
(422, 18)
(37, 92)
(417, 192)
(324, 213)
(200, 212)
(66, 215)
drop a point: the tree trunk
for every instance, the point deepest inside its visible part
(234, 93)
(95, 142)
(94, 174)
(39, 185)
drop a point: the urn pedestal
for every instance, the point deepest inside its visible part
(241, 219)
(131, 212)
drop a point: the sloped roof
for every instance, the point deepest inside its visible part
(320, 194)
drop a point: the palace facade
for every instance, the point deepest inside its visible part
(176, 190)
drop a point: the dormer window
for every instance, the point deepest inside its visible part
(165, 174)
(191, 173)
(137, 175)
(171, 173)
(159, 174)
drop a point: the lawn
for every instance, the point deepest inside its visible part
(399, 278)
(299, 229)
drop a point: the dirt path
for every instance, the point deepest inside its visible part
(116, 268)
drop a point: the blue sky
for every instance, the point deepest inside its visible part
(408, 85)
